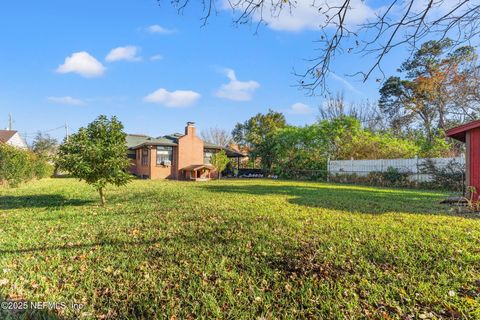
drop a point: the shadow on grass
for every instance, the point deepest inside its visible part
(39, 201)
(345, 198)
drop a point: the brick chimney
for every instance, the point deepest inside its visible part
(190, 129)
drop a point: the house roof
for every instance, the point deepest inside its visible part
(6, 135)
(195, 167)
(233, 154)
(135, 141)
(459, 133)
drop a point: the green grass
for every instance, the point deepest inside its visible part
(239, 250)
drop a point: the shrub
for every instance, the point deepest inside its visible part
(344, 178)
(17, 166)
(42, 168)
(14, 165)
(390, 178)
(450, 176)
(395, 177)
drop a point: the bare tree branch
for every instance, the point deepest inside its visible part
(399, 23)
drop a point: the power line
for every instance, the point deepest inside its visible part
(44, 131)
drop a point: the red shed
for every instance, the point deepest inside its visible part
(470, 134)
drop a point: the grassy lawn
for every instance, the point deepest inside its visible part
(238, 249)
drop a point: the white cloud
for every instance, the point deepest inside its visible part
(177, 98)
(159, 29)
(128, 53)
(237, 90)
(300, 108)
(82, 63)
(67, 100)
(303, 15)
(156, 57)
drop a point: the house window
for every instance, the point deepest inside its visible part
(164, 155)
(132, 154)
(144, 157)
(207, 155)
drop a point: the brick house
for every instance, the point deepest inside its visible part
(176, 156)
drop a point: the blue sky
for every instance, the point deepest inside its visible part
(58, 64)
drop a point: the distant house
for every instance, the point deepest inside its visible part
(176, 156)
(13, 138)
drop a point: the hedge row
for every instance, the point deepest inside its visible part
(17, 166)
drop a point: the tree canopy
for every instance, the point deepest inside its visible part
(44, 145)
(256, 134)
(97, 154)
(307, 148)
(438, 88)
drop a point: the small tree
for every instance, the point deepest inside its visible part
(44, 145)
(219, 161)
(97, 154)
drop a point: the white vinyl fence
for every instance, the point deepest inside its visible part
(364, 167)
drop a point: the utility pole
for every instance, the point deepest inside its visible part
(25, 138)
(9, 121)
(66, 131)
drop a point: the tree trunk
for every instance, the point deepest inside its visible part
(102, 196)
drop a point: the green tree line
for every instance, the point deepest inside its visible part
(437, 88)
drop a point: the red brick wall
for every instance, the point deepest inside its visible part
(162, 172)
(138, 169)
(152, 170)
(190, 150)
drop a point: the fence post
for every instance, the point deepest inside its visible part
(328, 169)
(418, 174)
(464, 175)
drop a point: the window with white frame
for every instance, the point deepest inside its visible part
(164, 155)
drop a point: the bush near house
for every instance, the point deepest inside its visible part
(220, 161)
(17, 166)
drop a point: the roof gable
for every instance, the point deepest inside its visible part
(459, 132)
(6, 135)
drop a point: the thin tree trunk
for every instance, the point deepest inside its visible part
(102, 196)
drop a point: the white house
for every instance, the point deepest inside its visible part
(12, 138)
